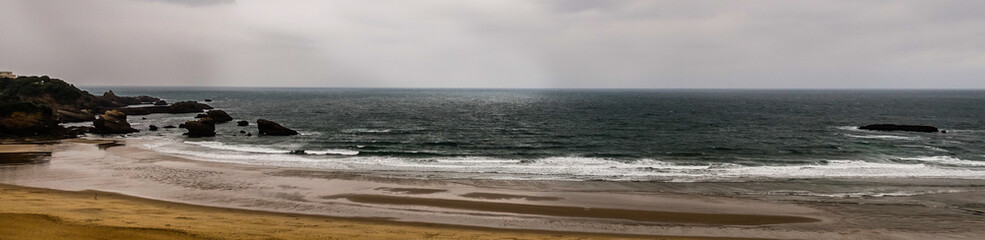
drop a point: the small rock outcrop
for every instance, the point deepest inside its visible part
(894, 127)
(219, 116)
(152, 128)
(161, 103)
(208, 100)
(201, 115)
(169, 126)
(204, 127)
(110, 99)
(112, 122)
(242, 123)
(273, 129)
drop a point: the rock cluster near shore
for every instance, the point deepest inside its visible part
(34, 106)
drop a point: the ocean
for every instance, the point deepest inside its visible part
(600, 135)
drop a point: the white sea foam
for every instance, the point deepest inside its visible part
(238, 148)
(333, 152)
(365, 130)
(884, 137)
(947, 160)
(849, 128)
(865, 194)
(570, 168)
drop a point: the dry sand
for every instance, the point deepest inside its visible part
(31, 213)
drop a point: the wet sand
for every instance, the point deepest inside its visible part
(582, 212)
(31, 213)
(24, 153)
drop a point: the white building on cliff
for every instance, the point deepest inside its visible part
(7, 74)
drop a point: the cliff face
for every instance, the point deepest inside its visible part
(26, 119)
(28, 105)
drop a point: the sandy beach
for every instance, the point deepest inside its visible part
(97, 188)
(32, 213)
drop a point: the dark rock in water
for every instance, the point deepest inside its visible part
(182, 125)
(161, 103)
(188, 107)
(298, 152)
(249, 134)
(109, 99)
(208, 100)
(219, 116)
(112, 122)
(204, 127)
(169, 126)
(894, 127)
(241, 131)
(242, 123)
(153, 128)
(201, 115)
(143, 118)
(178, 107)
(273, 129)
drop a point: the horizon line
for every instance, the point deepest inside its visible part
(514, 88)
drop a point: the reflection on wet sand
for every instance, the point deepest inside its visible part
(500, 196)
(586, 212)
(411, 190)
(24, 158)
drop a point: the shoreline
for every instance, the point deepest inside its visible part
(96, 214)
(507, 206)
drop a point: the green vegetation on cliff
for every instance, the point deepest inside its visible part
(46, 91)
(28, 104)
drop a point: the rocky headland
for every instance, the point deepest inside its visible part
(32, 107)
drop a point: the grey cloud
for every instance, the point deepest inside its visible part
(516, 44)
(195, 3)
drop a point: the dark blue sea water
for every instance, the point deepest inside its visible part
(658, 135)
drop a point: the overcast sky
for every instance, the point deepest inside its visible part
(499, 43)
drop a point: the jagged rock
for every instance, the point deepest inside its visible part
(153, 128)
(112, 122)
(273, 129)
(161, 103)
(204, 127)
(894, 127)
(109, 99)
(249, 134)
(242, 123)
(219, 116)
